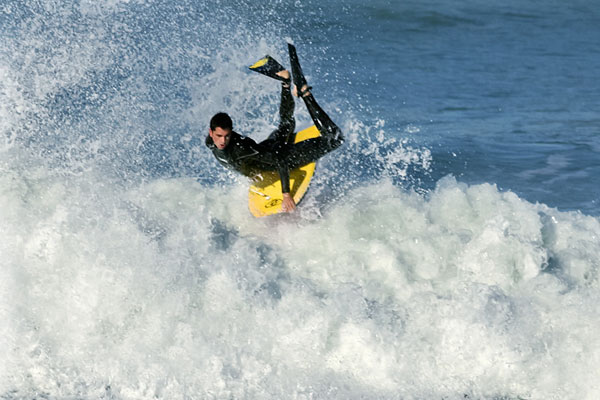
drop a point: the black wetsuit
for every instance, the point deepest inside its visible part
(278, 152)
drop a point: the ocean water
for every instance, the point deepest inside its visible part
(449, 250)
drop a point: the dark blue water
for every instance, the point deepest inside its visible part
(500, 93)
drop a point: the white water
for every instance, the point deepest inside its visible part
(167, 290)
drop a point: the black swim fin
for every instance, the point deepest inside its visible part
(268, 66)
(297, 74)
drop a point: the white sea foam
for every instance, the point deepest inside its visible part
(171, 290)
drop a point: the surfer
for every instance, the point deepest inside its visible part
(278, 152)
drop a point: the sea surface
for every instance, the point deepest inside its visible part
(449, 250)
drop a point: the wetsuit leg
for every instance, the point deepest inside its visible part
(322, 121)
(284, 134)
(312, 149)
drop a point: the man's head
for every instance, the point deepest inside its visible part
(220, 129)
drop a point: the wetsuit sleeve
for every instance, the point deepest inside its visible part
(287, 124)
(284, 175)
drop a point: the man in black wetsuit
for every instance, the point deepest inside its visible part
(278, 152)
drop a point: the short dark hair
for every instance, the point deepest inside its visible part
(221, 120)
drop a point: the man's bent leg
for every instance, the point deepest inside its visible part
(324, 124)
(310, 150)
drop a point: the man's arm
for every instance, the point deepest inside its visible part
(286, 124)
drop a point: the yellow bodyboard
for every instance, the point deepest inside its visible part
(264, 196)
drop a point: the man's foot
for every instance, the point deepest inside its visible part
(285, 74)
(285, 77)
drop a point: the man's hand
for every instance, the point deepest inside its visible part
(288, 204)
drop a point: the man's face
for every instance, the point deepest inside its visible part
(220, 136)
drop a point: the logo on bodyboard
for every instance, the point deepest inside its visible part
(273, 203)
